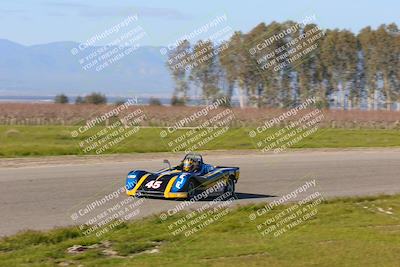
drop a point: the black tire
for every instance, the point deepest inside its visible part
(191, 190)
(230, 187)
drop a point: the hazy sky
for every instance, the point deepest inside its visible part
(34, 22)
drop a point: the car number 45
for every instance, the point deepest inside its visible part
(153, 184)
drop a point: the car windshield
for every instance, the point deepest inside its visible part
(193, 156)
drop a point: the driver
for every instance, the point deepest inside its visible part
(191, 165)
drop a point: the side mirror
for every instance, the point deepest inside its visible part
(167, 162)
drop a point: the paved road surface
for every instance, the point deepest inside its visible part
(43, 193)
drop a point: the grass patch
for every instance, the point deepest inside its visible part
(16, 141)
(345, 232)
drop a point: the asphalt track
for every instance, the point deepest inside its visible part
(42, 193)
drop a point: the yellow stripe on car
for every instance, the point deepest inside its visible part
(169, 186)
(215, 172)
(167, 173)
(133, 191)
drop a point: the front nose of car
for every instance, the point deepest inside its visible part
(131, 181)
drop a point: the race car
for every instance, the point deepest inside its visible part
(186, 180)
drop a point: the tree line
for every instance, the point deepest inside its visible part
(98, 99)
(92, 98)
(343, 70)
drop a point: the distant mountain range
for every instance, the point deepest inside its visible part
(49, 69)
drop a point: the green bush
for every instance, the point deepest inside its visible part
(61, 99)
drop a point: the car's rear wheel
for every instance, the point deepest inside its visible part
(230, 187)
(191, 190)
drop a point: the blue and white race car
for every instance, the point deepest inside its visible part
(191, 177)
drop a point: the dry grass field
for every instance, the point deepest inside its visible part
(59, 114)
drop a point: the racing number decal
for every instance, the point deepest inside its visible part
(153, 184)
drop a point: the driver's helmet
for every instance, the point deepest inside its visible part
(191, 164)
